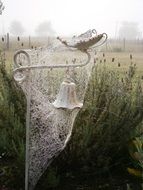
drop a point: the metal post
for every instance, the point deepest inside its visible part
(27, 136)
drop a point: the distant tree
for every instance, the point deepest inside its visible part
(1, 7)
(16, 28)
(45, 29)
(129, 30)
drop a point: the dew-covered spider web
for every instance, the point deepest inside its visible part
(49, 127)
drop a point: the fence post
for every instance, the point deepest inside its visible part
(106, 46)
(7, 41)
(29, 42)
(124, 44)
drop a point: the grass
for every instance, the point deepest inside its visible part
(124, 59)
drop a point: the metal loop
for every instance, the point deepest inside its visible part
(15, 58)
(20, 75)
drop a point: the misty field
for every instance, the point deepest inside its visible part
(106, 146)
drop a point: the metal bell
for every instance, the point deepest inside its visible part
(66, 97)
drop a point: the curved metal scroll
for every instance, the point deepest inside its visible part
(21, 72)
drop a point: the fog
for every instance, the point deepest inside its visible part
(68, 17)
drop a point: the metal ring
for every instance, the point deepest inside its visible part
(24, 74)
(17, 54)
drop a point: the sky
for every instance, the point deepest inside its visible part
(69, 17)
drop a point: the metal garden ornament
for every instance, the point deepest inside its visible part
(54, 87)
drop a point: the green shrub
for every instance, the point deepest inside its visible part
(112, 115)
(12, 128)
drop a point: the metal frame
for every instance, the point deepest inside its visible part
(82, 43)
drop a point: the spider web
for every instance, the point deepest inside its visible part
(48, 128)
